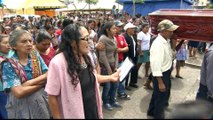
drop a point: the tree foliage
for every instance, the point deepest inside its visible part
(91, 1)
(138, 1)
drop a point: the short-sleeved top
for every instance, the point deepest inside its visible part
(9, 76)
(145, 39)
(91, 36)
(121, 43)
(88, 92)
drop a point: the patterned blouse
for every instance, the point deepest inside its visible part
(9, 76)
(1, 87)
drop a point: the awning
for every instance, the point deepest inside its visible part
(41, 4)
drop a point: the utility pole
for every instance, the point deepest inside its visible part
(133, 8)
(181, 3)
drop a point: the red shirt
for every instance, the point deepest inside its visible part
(121, 43)
(58, 32)
(47, 58)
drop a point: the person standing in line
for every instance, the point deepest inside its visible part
(161, 57)
(4, 50)
(24, 77)
(132, 54)
(93, 35)
(181, 56)
(122, 48)
(108, 59)
(114, 12)
(193, 48)
(43, 46)
(72, 82)
(143, 46)
(144, 53)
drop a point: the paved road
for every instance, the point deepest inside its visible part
(182, 90)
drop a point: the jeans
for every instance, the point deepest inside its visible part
(109, 92)
(3, 102)
(121, 88)
(109, 88)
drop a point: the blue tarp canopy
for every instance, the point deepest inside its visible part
(126, 1)
(152, 5)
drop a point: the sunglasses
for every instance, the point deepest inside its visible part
(85, 39)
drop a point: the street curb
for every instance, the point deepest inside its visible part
(193, 65)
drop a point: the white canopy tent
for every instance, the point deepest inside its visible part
(102, 4)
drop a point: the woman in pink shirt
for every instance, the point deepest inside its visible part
(72, 84)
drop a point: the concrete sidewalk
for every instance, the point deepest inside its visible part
(136, 108)
(195, 61)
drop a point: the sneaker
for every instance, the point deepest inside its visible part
(116, 105)
(124, 96)
(108, 107)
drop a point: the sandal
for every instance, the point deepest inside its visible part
(148, 86)
(179, 77)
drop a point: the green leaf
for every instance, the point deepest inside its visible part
(91, 1)
(138, 1)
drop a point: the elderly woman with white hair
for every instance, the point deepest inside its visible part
(24, 77)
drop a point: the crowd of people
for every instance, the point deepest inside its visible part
(52, 68)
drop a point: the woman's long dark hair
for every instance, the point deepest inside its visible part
(70, 34)
(106, 27)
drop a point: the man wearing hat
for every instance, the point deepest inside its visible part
(161, 63)
(132, 54)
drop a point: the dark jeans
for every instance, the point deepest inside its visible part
(109, 88)
(160, 99)
(3, 102)
(121, 88)
(109, 92)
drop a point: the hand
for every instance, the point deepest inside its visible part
(162, 87)
(115, 76)
(141, 53)
(27, 83)
(100, 46)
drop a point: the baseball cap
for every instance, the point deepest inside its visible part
(118, 23)
(167, 25)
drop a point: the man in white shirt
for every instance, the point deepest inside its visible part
(161, 63)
